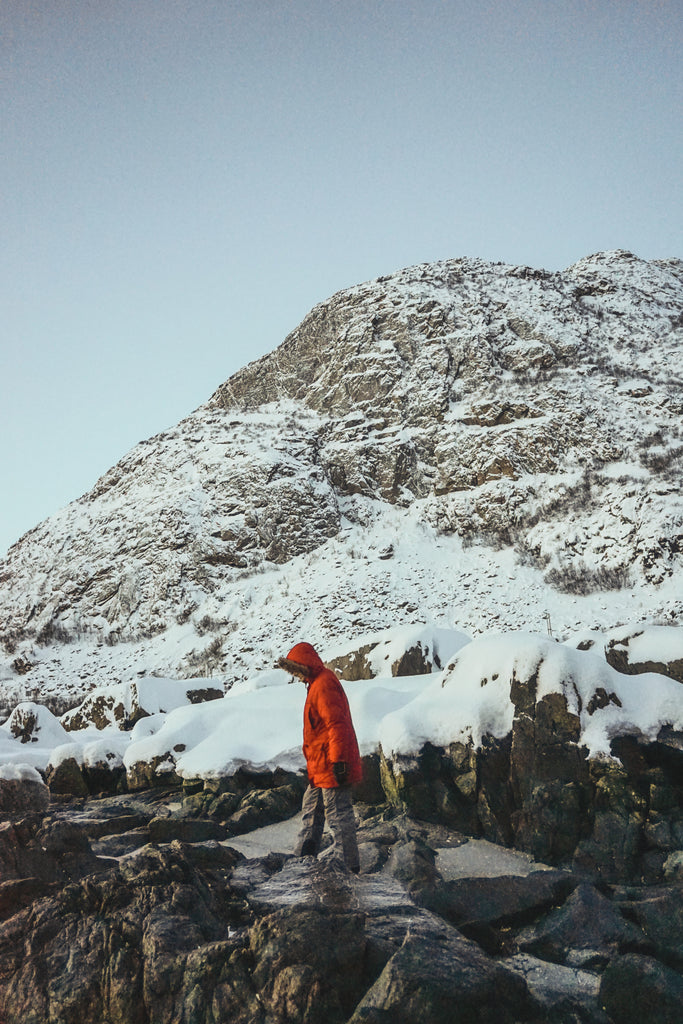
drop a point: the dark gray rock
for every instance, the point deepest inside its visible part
(563, 995)
(355, 664)
(309, 964)
(373, 857)
(21, 892)
(262, 807)
(481, 907)
(187, 830)
(413, 864)
(637, 988)
(619, 655)
(441, 980)
(106, 776)
(67, 778)
(586, 932)
(46, 849)
(121, 844)
(617, 820)
(659, 913)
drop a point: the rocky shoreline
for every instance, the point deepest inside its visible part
(135, 908)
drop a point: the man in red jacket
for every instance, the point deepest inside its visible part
(332, 759)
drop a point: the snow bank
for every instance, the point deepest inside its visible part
(258, 724)
(108, 747)
(472, 697)
(259, 727)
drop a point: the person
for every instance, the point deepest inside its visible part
(332, 760)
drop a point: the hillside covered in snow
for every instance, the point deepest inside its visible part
(471, 445)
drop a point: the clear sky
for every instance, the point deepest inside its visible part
(182, 180)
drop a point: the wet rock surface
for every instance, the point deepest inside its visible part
(182, 927)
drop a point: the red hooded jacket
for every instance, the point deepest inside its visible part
(329, 735)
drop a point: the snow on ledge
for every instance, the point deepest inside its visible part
(19, 773)
(258, 724)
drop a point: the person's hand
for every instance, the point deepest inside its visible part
(341, 772)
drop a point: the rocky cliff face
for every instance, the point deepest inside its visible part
(466, 442)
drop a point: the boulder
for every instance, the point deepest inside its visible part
(616, 816)
(34, 723)
(673, 867)
(187, 830)
(562, 994)
(308, 964)
(47, 849)
(262, 807)
(411, 651)
(21, 856)
(150, 942)
(369, 789)
(105, 775)
(124, 704)
(480, 907)
(636, 651)
(413, 863)
(21, 892)
(22, 791)
(658, 912)
(157, 772)
(66, 778)
(441, 979)
(637, 988)
(586, 932)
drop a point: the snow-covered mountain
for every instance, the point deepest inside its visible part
(469, 444)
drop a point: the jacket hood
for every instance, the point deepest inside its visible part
(305, 654)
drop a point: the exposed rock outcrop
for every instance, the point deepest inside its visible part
(617, 815)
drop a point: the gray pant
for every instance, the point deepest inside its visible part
(336, 806)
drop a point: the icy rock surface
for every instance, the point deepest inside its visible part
(463, 441)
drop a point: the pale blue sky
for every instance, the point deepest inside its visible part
(182, 180)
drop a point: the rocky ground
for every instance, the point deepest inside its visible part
(141, 907)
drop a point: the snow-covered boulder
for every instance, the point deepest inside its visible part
(33, 723)
(405, 651)
(635, 649)
(124, 704)
(80, 767)
(65, 775)
(494, 680)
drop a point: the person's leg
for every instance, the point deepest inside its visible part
(312, 821)
(342, 822)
